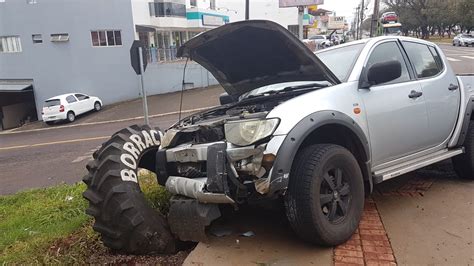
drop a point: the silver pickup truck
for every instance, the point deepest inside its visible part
(313, 131)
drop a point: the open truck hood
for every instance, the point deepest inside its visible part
(247, 55)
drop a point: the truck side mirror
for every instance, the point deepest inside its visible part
(225, 98)
(384, 72)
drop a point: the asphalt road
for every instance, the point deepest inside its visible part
(53, 156)
(461, 59)
(56, 155)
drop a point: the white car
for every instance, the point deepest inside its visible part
(463, 40)
(321, 41)
(68, 106)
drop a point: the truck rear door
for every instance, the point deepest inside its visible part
(440, 90)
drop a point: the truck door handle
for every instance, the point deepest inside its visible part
(415, 94)
(453, 87)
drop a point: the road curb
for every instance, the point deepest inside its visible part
(108, 121)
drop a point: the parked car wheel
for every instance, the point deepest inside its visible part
(71, 116)
(123, 216)
(454, 44)
(97, 106)
(464, 163)
(325, 197)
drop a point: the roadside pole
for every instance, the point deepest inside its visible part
(300, 22)
(138, 60)
(247, 9)
(144, 100)
(375, 18)
(362, 8)
(356, 24)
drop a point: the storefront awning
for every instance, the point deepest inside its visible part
(16, 85)
(145, 28)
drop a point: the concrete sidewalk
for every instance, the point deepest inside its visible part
(273, 243)
(157, 104)
(429, 217)
(422, 218)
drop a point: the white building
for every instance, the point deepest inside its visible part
(51, 47)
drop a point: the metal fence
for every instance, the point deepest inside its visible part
(159, 55)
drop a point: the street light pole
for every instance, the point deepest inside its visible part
(247, 9)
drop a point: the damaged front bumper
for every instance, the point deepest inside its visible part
(218, 172)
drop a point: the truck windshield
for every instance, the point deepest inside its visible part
(340, 60)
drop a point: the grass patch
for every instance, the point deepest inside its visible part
(31, 220)
(49, 226)
(157, 195)
(440, 39)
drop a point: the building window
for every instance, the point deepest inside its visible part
(167, 10)
(31, 2)
(60, 37)
(37, 38)
(106, 38)
(10, 44)
(212, 4)
(193, 3)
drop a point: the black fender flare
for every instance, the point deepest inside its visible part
(467, 120)
(279, 178)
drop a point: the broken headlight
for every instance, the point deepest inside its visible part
(247, 132)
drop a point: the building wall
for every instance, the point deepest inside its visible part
(77, 66)
(140, 13)
(260, 9)
(168, 77)
(58, 68)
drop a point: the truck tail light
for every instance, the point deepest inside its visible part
(61, 108)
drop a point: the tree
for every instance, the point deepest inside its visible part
(431, 16)
(465, 11)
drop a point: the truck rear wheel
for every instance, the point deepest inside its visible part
(123, 217)
(325, 196)
(464, 163)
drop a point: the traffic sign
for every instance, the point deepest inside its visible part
(134, 56)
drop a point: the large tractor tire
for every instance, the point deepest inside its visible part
(123, 217)
(325, 196)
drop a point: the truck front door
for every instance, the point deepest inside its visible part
(396, 110)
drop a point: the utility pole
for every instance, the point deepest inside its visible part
(357, 23)
(362, 8)
(300, 22)
(375, 19)
(247, 9)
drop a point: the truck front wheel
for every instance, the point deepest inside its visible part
(464, 163)
(325, 196)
